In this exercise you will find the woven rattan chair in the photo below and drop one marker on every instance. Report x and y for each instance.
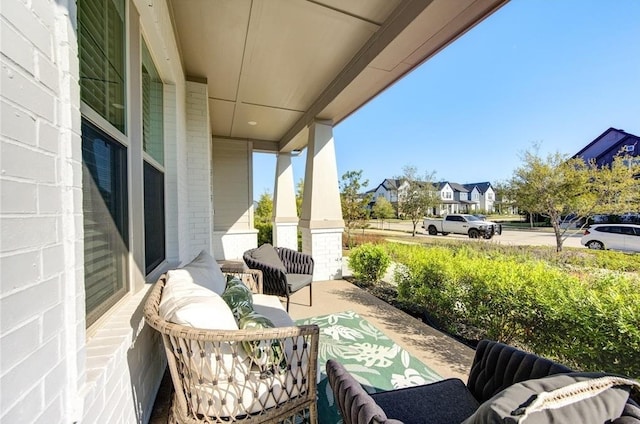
(285, 270)
(204, 363)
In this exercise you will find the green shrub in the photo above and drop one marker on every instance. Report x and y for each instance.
(587, 319)
(265, 232)
(369, 262)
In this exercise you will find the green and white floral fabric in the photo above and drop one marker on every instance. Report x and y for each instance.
(267, 354)
(371, 357)
(239, 298)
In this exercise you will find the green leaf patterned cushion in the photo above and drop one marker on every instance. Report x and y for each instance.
(238, 297)
(268, 355)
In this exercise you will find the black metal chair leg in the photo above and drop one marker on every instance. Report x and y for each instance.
(310, 296)
(287, 303)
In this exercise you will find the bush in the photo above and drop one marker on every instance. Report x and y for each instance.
(265, 232)
(587, 320)
(369, 262)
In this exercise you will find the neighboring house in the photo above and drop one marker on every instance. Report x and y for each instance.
(482, 195)
(455, 198)
(609, 144)
(127, 134)
(391, 189)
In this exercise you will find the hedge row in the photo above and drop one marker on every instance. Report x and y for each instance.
(587, 320)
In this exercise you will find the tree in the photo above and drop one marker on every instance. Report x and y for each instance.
(264, 208)
(299, 196)
(569, 191)
(503, 202)
(383, 209)
(262, 219)
(415, 201)
(354, 205)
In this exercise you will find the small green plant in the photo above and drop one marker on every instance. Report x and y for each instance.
(369, 262)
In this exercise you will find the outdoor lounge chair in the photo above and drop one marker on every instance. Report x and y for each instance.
(496, 367)
(214, 378)
(285, 271)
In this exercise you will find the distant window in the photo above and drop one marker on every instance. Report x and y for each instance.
(154, 217)
(153, 146)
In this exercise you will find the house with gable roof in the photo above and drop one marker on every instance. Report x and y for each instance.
(482, 195)
(609, 144)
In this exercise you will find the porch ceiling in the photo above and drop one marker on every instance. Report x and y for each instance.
(283, 63)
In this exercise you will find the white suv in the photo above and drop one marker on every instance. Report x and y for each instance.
(612, 236)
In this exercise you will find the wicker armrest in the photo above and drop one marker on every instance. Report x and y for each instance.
(252, 278)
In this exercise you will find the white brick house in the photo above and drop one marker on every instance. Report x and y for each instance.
(127, 129)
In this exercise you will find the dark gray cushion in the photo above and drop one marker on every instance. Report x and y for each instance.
(298, 281)
(588, 404)
(267, 254)
(443, 402)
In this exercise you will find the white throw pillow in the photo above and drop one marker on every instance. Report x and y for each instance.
(206, 272)
(271, 307)
(186, 303)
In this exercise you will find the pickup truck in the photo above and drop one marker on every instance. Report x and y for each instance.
(470, 225)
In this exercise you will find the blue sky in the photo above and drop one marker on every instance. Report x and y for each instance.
(558, 73)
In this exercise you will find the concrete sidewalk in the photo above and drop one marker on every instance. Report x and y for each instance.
(443, 354)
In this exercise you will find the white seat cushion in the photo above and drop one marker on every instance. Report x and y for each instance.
(271, 307)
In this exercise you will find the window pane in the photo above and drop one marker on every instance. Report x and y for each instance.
(154, 240)
(101, 44)
(104, 190)
(152, 128)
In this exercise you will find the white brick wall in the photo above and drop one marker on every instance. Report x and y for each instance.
(199, 168)
(41, 251)
(232, 244)
(325, 246)
(285, 234)
(49, 372)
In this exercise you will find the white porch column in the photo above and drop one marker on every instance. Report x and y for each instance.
(321, 221)
(285, 217)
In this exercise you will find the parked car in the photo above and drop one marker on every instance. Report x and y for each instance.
(612, 236)
(459, 223)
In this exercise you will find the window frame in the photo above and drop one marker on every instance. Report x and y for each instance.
(148, 159)
(95, 315)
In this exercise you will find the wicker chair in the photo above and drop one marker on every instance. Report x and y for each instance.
(285, 270)
(205, 364)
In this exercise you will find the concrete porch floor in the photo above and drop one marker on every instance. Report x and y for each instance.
(443, 354)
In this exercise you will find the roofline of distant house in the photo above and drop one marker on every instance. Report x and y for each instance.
(598, 139)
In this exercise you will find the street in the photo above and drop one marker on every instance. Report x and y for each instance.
(508, 236)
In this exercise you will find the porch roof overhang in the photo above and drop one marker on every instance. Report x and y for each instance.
(274, 66)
